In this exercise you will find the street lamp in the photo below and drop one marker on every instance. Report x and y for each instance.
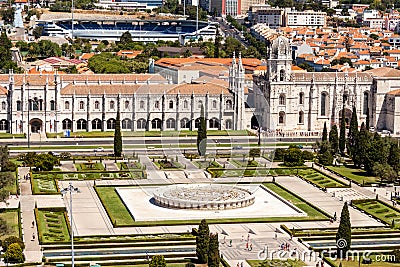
(64, 191)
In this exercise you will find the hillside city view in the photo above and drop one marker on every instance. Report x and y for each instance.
(209, 133)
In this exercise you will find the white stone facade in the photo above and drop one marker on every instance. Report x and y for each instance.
(55, 103)
(305, 101)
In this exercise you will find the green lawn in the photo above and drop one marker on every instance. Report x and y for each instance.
(9, 136)
(240, 163)
(319, 179)
(132, 165)
(13, 187)
(259, 171)
(135, 174)
(357, 175)
(95, 134)
(303, 205)
(379, 210)
(375, 263)
(116, 210)
(52, 225)
(11, 218)
(276, 263)
(44, 186)
(89, 166)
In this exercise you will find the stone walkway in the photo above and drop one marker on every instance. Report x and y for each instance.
(325, 201)
(29, 231)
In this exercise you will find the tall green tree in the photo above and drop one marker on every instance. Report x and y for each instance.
(334, 139)
(213, 251)
(117, 137)
(362, 146)
(343, 235)
(324, 133)
(394, 156)
(202, 242)
(342, 136)
(202, 134)
(217, 44)
(158, 261)
(353, 131)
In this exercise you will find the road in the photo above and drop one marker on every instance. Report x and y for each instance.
(229, 31)
(152, 141)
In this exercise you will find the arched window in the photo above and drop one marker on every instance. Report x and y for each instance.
(52, 105)
(197, 123)
(81, 124)
(324, 103)
(156, 124)
(127, 124)
(110, 124)
(81, 105)
(185, 104)
(301, 98)
(282, 75)
(228, 124)
(185, 123)
(213, 123)
(228, 104)
(19, 106)
(200, 104)
(66, 105)
(67, 124)
(170, 123)
(141, 124)
(96, 105)
(96, 124)
(141, 104)
(301, 117)
(3, 105)
(171, 104)
(281, 117)
(35, 104)
(365, 105)
(282, 99)
(112, 104)
(3, 125)
(214, 104)
(126, 104)
(157, 104)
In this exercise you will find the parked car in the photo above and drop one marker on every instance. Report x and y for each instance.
(99, 149)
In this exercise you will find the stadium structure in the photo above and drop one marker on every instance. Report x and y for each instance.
(141, 30)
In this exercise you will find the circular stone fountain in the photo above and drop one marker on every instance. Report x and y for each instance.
(203, 196)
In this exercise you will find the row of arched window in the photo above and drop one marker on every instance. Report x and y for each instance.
(33, 105)
(141, 124)
(324, 107)
(157, 105)
(282, 118)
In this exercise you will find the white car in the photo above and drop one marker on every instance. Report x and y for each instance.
(99, 149)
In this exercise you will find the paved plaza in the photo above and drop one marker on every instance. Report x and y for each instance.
(90, 217)
(140, 204)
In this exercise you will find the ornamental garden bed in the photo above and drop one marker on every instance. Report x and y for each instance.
(89, 166)
(52, 225)
(276, 263)
(319, 179)
(243, 163)
(165, 163)
(380, 211)
(132, 165)
(358, 176)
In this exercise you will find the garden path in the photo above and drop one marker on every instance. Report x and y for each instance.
(29, 231)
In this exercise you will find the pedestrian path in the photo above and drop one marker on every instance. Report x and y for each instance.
(29, 230)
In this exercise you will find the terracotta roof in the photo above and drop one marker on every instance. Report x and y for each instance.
(394, 92)
(3, 90)
(384, 72)
(129, 89)
(113, 77)
(86, 56)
